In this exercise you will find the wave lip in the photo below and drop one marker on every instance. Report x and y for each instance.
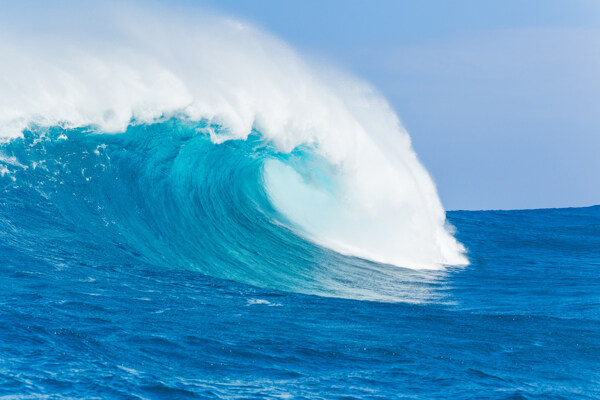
(344, 173)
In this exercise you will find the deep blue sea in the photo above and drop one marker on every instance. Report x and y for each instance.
(151, 265)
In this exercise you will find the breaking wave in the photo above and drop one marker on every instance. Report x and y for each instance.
(199, 141)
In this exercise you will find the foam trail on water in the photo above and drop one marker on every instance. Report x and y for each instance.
(347, 177)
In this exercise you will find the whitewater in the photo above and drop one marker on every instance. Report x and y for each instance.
(190, 208)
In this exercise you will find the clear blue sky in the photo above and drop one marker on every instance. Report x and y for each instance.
(502, 98)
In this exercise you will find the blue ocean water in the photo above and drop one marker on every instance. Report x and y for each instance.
(151, 265)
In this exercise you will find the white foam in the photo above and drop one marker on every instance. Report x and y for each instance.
(130, 63)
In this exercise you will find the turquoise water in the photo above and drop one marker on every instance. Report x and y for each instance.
(152, 264)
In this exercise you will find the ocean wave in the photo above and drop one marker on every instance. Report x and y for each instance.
(228, 140)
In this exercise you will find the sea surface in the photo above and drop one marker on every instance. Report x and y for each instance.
(151, 265)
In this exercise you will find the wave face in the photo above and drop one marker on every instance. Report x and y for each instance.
(202, 142)
(166, 195)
